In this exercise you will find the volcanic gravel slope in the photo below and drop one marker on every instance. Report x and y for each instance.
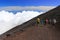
(45, 32)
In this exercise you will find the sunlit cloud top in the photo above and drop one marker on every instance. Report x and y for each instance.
(8, 20)
(11, 8)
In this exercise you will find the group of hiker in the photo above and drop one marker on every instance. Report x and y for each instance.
(46, 21)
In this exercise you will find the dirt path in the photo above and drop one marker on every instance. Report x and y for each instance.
(36, 33)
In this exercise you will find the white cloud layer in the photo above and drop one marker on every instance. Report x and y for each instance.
(8, 20)
(44, 8)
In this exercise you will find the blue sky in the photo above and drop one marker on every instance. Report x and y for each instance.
(21, 5)
(29, 2)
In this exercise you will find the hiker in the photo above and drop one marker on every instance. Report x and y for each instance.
(38, 21)
(50, 21)
(42, 22)
(46, 21)
(54, 21)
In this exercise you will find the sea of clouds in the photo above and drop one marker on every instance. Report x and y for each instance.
(9, 20)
